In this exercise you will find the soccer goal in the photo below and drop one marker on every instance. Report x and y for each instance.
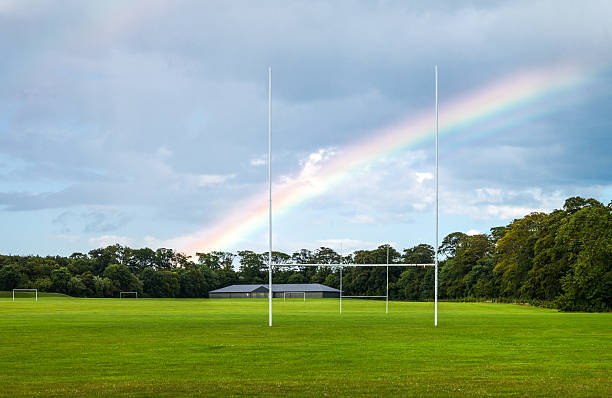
(128, 294)
(289, 295)
(271, 264)
(26, 290)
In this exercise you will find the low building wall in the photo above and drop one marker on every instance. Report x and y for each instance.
(276, 295)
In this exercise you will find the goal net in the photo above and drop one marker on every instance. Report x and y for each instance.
(128, 295)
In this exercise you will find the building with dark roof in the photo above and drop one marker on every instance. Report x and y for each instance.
(289, 290)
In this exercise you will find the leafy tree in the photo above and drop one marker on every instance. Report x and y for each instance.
(193, 283)
(332, 280)
(216, 260)
(38, 267)
(481, 281)
(167, 259)
(81, 265)
(122, 279)
(76, 287)
(323, 255)
(61, 280)
(103, 257)
(450, 243)
(497, 233)
(221, 264)
(587, 235)
(296, 278)
(252, 267)
(515, 252)
(103, 287)
(467, 251)
(420, 254)
(88, 281)
(43, 284)
(139, 259)
(550, 261)
(10, 277)
(171, 286)
(414, 283)
(304, 257)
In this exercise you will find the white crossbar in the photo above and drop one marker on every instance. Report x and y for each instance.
(25, 290)
(362, 296)
(355, 265)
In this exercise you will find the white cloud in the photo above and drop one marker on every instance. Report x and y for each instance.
(261, 161)
(419, 206)
(362, 219)
(67, 238)
(164, 152)
(313, 163)
(423, 176)
(473, 232)
(510, 212)
(497, 203)
(489, 195)
(203, 180)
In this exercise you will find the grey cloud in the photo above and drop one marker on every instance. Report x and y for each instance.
(92, 91)
(100, 220)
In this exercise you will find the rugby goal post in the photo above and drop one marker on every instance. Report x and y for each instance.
(26, 290)
(270, 264)
(121, 294)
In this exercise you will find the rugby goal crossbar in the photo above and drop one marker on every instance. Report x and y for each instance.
(26, 290)
(354, 265)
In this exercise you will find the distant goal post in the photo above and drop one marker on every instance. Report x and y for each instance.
(26, 290)
(289, 295)
(121, 294)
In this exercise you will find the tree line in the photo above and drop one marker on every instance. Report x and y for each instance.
(561, 259)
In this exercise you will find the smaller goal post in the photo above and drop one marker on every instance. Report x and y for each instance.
(26, 290)
(121, 294)
(290, 294)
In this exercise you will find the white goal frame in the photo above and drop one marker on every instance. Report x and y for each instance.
(270, 264)
(25, 290)
(285, 295)
(122, 293)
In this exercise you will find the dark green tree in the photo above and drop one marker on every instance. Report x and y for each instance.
(10, 277)
(61, 280)
(122, 279)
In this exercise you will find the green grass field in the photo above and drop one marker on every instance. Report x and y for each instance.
(160, 347)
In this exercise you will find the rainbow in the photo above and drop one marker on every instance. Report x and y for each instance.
(516, 95)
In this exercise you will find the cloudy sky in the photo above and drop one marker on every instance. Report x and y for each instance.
(145, 123)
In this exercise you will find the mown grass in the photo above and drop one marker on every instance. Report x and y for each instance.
(162, 347)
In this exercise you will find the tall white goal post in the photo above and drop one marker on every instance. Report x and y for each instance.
(121, 294)
(270, 264)
(26, 290)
